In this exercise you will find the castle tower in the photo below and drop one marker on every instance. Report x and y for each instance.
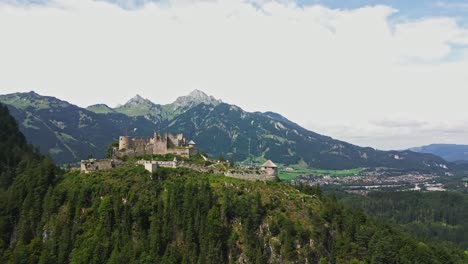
(191, 144)
(270, 168)
(160, 144)
(157, 136)
(181, 140)
(125, 143)
(174, 140)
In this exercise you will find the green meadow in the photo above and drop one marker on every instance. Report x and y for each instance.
(286, 175)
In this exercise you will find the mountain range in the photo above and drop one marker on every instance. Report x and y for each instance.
(179, 215)
(449, 152)
(69, 133)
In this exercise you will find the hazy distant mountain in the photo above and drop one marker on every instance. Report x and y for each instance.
(69, 133)
(449, 152)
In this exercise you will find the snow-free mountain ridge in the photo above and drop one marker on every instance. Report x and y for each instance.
(69, 133)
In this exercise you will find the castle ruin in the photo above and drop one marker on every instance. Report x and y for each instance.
(267, 172)
(160, 144)
(92, 165)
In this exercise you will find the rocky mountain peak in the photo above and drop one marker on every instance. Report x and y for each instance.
(197, 94)
(139, 106)
(194, 98)
(33, 93)
(138, 100)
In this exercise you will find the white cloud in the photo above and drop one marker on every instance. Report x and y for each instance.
(452, 5)
(399, 123)
(321, 67)
(429, 39)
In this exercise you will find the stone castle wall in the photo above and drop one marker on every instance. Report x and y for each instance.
(156, 163)
(141, 142)
(92, 165)
(184, 152)
(175, 140)
(159, 145)
(270, 171)
(151, 167)
(126, 143)
(167, 164)
(133, 152)
(252, 176)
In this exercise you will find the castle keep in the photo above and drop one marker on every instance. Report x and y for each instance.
(160, 144)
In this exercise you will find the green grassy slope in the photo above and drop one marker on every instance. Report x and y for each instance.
(100, 109)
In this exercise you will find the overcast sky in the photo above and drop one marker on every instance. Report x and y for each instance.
(386, 74)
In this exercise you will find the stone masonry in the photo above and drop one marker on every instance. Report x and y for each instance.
(159, 144)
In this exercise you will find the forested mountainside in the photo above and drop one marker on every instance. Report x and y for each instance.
(69, 133)
(431, 216)
(128, 215)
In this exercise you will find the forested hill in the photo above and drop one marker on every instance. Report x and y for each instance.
(433, 216)
(16, 155)
(25, 178)
(12, 146)
(69, 133)
(127, 215)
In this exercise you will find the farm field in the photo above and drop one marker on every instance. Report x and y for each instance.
(285, 175)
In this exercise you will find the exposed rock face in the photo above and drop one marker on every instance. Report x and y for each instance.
(139, 106)
(137, 100)
(194, 98)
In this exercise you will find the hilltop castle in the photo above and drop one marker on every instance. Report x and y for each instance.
(160, 144)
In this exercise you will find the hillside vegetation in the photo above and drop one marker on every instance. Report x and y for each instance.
(181, 216)
(432, 216)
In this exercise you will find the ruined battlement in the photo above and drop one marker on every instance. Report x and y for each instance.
(92, 165)
(251, 176)
(159, 144)
(267, 172)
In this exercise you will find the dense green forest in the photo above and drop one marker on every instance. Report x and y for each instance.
(180, 216)
(431, 216)
(128, 215)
